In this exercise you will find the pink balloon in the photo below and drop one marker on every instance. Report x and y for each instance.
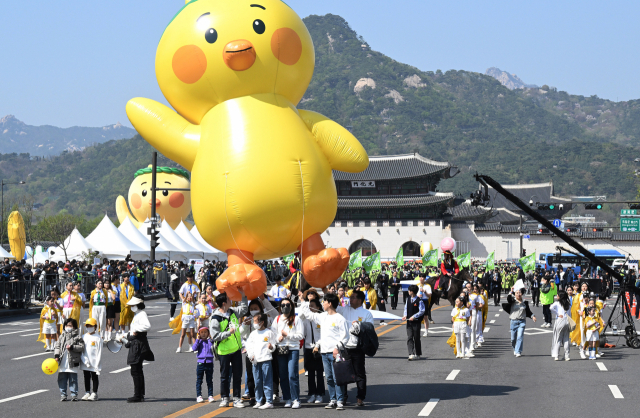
(448, 244)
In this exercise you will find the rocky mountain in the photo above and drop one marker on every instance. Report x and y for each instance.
(510, 81)
(16, 136)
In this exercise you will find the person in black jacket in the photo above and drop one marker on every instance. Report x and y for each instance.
(518, 310)
(173, 293)
(394, 287)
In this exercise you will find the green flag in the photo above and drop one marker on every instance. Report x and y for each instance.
(464, 260)
(288, 258)
(491, 261)
(355, 261)
(372, 263)
(528, 263)
(430, 258)
(400, 257)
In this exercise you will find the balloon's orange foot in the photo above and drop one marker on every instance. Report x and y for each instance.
(242, 278)
(324, 267)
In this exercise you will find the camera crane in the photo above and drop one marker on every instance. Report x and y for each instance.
(481, 198)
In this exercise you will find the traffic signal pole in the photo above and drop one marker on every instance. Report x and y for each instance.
(521, 236)
(154, 244)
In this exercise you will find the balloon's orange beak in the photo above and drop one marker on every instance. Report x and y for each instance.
(239, 55)
(157, 203)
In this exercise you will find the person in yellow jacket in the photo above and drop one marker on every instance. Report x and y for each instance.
(126, 293)
(370, 295)
(574, 294)
(98, 307)
(48, 325)
(71, 304)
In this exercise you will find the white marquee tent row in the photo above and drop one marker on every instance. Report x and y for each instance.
(117, 243)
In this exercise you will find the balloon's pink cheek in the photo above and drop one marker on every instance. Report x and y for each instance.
(176, 200)
(136, 201)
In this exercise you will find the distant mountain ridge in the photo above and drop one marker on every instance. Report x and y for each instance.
(510, 81)
(18, 137)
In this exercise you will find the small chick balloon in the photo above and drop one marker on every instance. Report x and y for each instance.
(261, 168)
(172, 206)
(49, 366)
(15, 231)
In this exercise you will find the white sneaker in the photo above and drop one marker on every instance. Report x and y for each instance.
(256, 406)
(582, 355)
(567, 359)
(339, 406)
(306, 373)
(179, 350)
(319, 399)
(276, 398)
(267, 406)
(190, 350)
(555, 358)
(518, 355)
(93, 397)
(224, 403)
(331, 405)
(171, 319)
(287, 404)
(470, 354)
(237, 403)
(312, 399)
(211, 399)
(86, 397)
(598, 355)
(199, 399)
(383, 324)
(425, 334)
(296, 405)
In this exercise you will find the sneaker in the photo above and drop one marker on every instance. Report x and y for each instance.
(518, 355)
(598, 355)
(276, 398)
(246, 397)
(179, 350)
(339, 407)
(411, 357)
(319, 399)
(237, 403)
(86, 396)
(470, 354)
(267, 406)
(479, 344)
(312, 399)
(224, 403)
(256, 406)
(418, 357)
(306, 373)
(190, 350)
(171, 319)
(63, 398)
(567, 359)
(431, 322)
(425, 334)
(360, 403)
(383, 324)
(555, 358)
(210, 399)
(287, 404)
(332, 404)
(582, 355)
(93, 397)
(199, 399)
(296, 405)
(74, 399)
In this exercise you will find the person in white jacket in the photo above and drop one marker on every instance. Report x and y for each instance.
(260, 346)
(91, 359)
(334, 333)
(313, 360)
(289, 332)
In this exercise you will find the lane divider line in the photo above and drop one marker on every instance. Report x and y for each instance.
(30, 335)
(601, 366)
(616, 392)
(493, 321)
(428, 407)
(497, 315)
(32, 355)
(501, 310)
(127, 368)
(165, 330)
(486, 329)
(21, 331)
(24, 395)
(452, 375)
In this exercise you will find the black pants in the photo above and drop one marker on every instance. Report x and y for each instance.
(382, 307)
(413, 337)
(427, 307)
(546, 311)
(173, 309)
(394, 299)
(231, 362)
(405, 296)
(251, 384)
(535, 296)
(496, 295)
(138, 380)
(357, 359)
(88, 378)
(314, 366)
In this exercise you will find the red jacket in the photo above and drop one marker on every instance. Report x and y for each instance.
(455, 267)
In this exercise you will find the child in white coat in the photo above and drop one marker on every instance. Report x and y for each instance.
(260, 346)
(91, 360)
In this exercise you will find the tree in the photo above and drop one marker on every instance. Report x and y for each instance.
(58, 228)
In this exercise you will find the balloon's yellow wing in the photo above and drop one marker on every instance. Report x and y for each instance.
(122, 210)
(17, 239)
(342, 149)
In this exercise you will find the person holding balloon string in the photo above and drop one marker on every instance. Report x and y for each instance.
(48, 325)
(67, 354)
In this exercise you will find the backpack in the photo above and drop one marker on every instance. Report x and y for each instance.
(368, 339)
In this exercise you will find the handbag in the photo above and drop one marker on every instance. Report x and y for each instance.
(343, 371)
(316, 354)
(281, 350)
(572, 324)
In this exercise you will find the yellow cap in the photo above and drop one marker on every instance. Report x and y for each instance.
(92, 322)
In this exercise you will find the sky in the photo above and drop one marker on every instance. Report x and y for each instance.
(76, 63)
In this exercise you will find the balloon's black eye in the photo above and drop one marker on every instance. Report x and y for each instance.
(144, 193)
(259, 27)
(211, 35)
(165, 193)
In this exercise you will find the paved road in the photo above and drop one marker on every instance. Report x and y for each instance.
(493, 384)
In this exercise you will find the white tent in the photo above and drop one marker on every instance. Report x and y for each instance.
(75, 244)
(110, 242)
(4, 254)
(128, 229)
(166, 248)
(209, 252)
(169, 235)
(222, 256)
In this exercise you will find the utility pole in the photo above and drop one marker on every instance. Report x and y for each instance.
(153, 230)
(521, 235)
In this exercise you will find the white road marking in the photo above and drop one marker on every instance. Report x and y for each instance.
(29, 335)
(18, 332)
(14, 324)
(24, 395)
(493, 321)
(153, 316)
(486, 329)
(32, 355)
(601, 366)
(497, 315)
(616, 392)
(538, 331)
(452, 375)
(501, 310)
(428, 407)
(437, 330)
(125, 369)
(166, 330)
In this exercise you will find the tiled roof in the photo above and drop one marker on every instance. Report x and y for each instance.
(465, 211)
(626, 236)
(541, 192)
(395, 201)
(491, 226)
(392, 167)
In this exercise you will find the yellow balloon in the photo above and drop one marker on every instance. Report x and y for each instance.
(172, 206)
(16, 234)
(49, 366)
(426, 246)
(235, 71)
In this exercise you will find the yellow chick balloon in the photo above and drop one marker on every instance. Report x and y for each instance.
(262, 185)
(172, 206)
(17, 237)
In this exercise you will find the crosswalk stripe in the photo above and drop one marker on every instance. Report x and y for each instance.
(428, 407)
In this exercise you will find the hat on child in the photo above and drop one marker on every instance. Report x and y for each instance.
(91, 322)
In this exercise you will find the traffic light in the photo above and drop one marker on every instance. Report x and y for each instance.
(593, 206)
(524, 252)
(155, 239)
(546, 207)
(634, 205)
(597, 229)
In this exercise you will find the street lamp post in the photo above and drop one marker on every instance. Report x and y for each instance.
(2, 183)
